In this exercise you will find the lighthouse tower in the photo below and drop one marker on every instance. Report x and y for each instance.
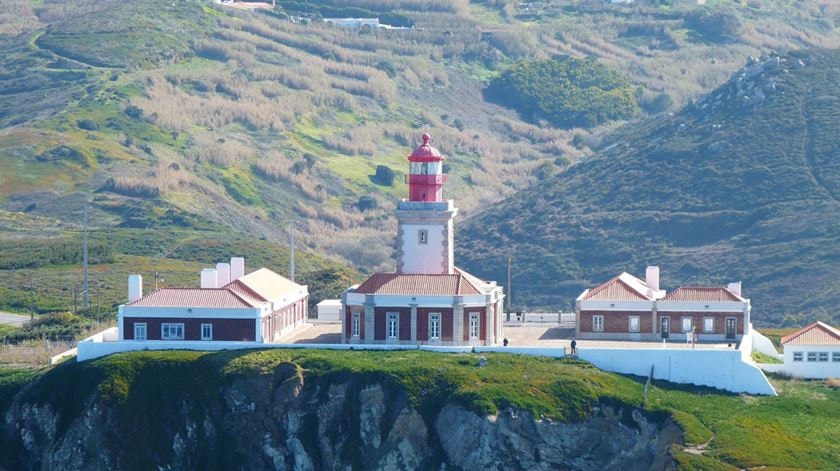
(425, 240)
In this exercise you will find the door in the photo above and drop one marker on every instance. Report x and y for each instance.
(664, 326)
(731, 325)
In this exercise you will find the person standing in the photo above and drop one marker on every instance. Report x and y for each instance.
(574, 346)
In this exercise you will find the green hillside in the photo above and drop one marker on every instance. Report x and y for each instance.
(743, 184)
(201, 120)
(227, 407)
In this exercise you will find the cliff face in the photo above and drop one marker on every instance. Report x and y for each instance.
(287, 420)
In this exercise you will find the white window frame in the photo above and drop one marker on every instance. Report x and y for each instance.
(707, 328)
(393, 325)
(822, 357)
(812, 356)
(690, 325)
(835, 356)
(434, 325)
(474, 323)
(145, 329)
(209, 332)
(356, 324)
(798, 356)
(638, 323)
(166, 331)
(597, 323)
(423, 236)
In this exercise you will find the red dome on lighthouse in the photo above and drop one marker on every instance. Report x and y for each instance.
(425, 173)
(425, 153)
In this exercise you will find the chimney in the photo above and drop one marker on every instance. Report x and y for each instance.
(237, 268)
(223, 271)
(135, 288)
(735, 288)
(209, 278)
(652, 278)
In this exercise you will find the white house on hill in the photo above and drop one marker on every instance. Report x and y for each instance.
(812, 352)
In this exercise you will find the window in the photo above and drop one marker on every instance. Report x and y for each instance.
(434, 326)
(423, 236)
(708, 324)
(172, 331)
(823, 356)
(634, 324)
(355, 328)
(812, 356)
(473, 326)
(206, 331)
(797, 356)
(597, 323)
(835, 356)
(392, 325)
(139, 331)
(687, 324)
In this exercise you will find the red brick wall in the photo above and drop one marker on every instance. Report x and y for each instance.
(719, 317)
(381, 322)
(378, 324)
(616, 321)
(446, 319)
(422, 324)
(223, 329)
(405, 323)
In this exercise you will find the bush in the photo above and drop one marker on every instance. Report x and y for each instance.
(566, 92)
(714, 25)
(133, 111)
(87, 124)
(384, 175)
(55, 326)
(367, 203)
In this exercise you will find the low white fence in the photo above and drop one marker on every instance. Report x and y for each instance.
(515, 318)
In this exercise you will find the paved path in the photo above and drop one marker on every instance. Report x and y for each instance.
(12, 319)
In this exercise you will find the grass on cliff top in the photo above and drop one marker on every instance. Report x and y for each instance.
(800, 428)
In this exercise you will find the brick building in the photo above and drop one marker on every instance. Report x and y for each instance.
(628, 308)
(427, 300)
(261, 306)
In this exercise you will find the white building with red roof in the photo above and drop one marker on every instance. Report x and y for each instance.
(628, 308)
(811, 352)
(427, 301)
(261, 306)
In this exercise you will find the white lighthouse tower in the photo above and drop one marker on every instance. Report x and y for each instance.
(425, 239)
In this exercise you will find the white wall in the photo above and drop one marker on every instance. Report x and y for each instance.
(722, 369)
(806, 369)
(423, 258)
(764, 345)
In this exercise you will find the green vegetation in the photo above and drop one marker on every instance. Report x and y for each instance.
(56, 326)
(738, 186)
(567, 92)
(800, 428)
(759, 357)
(775, 335)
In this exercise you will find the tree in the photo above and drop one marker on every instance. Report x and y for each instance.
(384, 175)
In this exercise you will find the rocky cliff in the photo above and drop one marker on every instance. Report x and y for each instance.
(283, 417)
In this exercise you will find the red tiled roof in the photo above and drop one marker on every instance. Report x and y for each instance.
(619, 289)
(702, 294)
(396, 283)
(817, 333)
(193, 297)
(264, 285)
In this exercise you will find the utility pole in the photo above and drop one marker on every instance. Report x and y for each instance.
(509, 289)
(31, 300)
(292, 251)
(85, 296)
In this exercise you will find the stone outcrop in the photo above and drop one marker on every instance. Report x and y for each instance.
(283, 422)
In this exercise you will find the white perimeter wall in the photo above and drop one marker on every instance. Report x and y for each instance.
(764, 345)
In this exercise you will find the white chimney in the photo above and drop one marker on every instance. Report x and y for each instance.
(237, 268)
(209, 278)
(223, 270)
(135, 288)
(652, 278)
(735, 288)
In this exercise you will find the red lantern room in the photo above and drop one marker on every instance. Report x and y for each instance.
(425, 173)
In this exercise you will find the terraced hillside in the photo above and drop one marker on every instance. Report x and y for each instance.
(741, 185)
(190, 116)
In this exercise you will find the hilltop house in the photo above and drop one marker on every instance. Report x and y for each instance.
(261, 306)
(428, 301)
(628, 308)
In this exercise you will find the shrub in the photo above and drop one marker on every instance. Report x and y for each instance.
(133, 111)
(87, 124)
(367, 203)
(566, 92)
(384, 175)
(714, 25)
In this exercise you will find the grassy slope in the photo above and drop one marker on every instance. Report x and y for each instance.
(720, 192)
(800, 428)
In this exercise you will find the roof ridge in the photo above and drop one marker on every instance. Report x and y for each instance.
(818, 324)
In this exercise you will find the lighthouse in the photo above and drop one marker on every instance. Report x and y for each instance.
(425, 239)
(428, 301)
